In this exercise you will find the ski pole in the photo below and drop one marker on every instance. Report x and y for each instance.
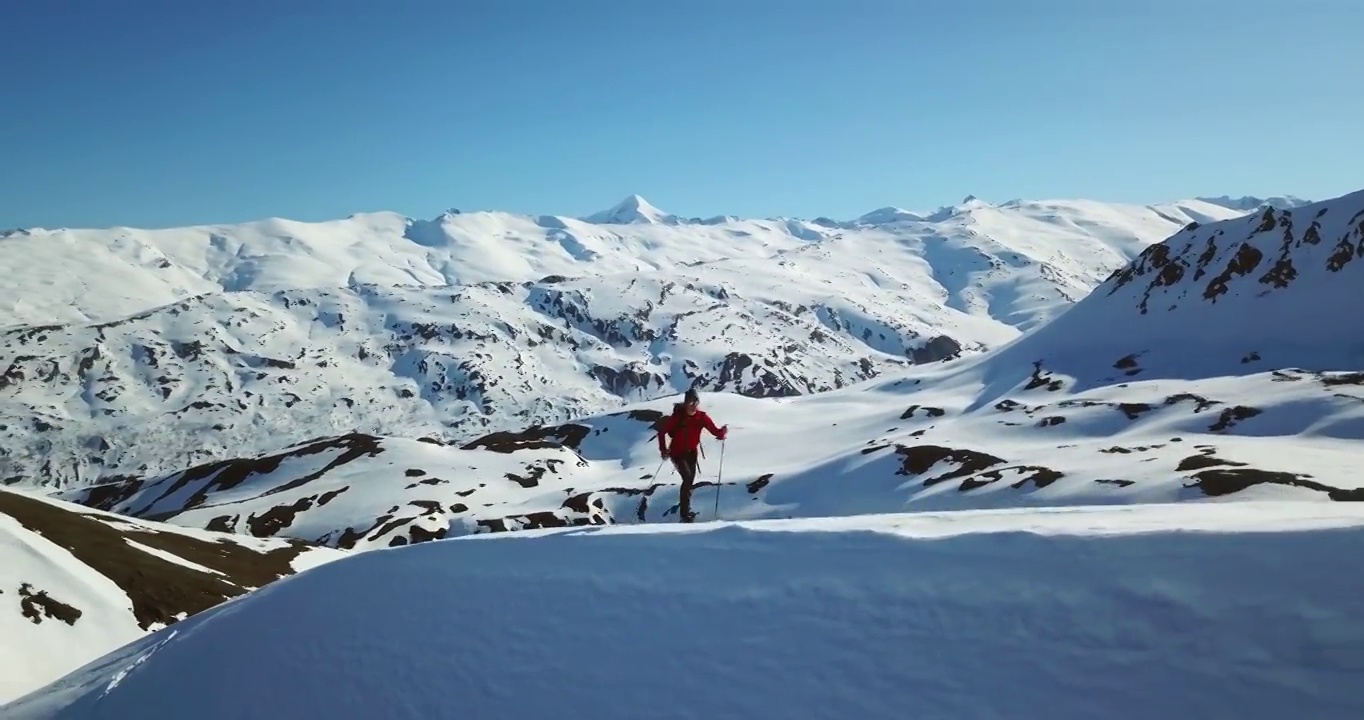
(719, 476)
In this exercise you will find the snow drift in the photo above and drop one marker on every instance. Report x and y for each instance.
(1231, 610)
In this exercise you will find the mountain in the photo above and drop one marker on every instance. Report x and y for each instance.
(1250, 294)
(1188, 374)
(1248, 203)
(165, 349)
(920, 442)
(1143, 612)
(631, 210)
(76, 583)
(353, 491)
(125, 271)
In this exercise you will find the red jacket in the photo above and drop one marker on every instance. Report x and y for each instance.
(685, 430)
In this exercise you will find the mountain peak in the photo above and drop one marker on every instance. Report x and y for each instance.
(633, 209)
(888, 215)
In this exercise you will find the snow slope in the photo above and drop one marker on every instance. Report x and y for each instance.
(76, 583)
(289, 331)
(1228, 610)
(1109, 408)
(1240, 296)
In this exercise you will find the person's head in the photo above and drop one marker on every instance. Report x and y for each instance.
(691, 401)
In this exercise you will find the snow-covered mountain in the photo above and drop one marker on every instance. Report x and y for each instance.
(1188, 374)
(633, 209)
(273, 333)
(99, 275)
(1245, 610)
(1249, 203)
(76, 583)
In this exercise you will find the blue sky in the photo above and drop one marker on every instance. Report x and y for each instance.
(163, 113)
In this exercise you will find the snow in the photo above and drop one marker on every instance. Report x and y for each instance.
(1205, 610)
(171, 557)
(106, 618)
(93, 614)
(397, 490)
(1199, 304)
(838, 453)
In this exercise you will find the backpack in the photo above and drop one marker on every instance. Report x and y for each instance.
(679, 417)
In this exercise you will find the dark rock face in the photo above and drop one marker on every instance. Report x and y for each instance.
(161, 590)
(937, 349)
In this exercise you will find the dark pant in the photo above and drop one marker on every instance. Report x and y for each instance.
(685, 462)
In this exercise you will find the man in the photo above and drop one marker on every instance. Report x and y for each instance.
(684, 427)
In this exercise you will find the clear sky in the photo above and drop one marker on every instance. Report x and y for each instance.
(176, 112)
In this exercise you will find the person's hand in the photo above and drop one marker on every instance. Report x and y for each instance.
(724, 432)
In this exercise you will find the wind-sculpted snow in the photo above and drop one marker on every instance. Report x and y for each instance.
(76, 583)
(757, 311)
(1242, 610)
